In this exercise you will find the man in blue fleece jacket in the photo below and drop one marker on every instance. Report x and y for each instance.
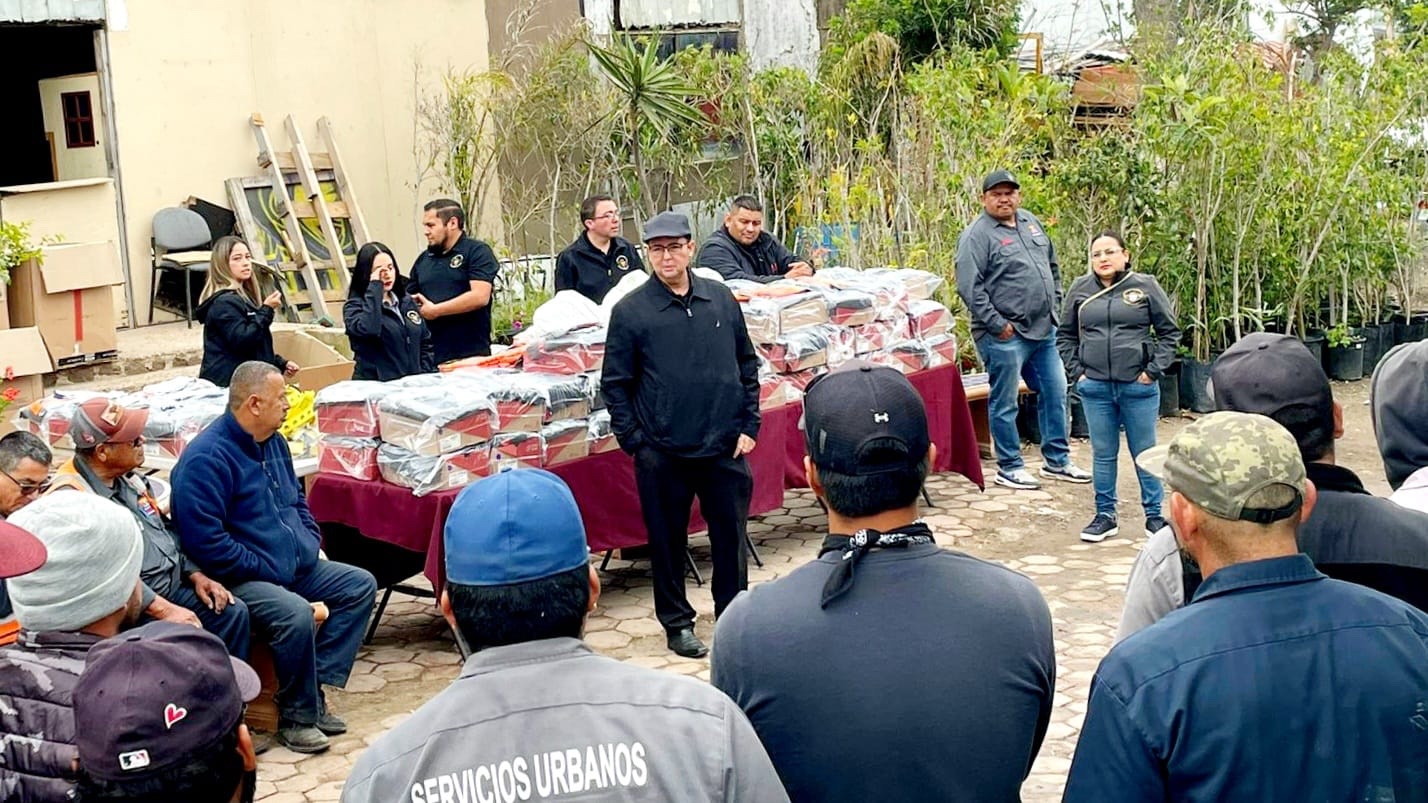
(242, 516)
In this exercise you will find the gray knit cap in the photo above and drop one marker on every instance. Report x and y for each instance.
(95, 552)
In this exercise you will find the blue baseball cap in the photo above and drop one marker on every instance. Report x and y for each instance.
(514, 527)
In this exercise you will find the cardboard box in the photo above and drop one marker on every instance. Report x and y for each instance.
(4, 308)
(319, 365)
(67, 296)
(22, 354)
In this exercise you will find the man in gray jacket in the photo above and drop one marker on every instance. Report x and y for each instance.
(1008, 277)
(536, 713)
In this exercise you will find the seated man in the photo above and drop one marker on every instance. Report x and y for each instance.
(86, 591)
(159, 713)
(24, 475)
(1277, 683)
(741, 249)
(935, 670)
(1399, 399)
(242, 516)
(108, 448)
(536, 713)
(1352, 535)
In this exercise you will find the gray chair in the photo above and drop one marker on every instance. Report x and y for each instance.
(179, 242)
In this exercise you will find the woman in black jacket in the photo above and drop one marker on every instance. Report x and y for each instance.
(1117, 338)
(237, 321)
(388, 336)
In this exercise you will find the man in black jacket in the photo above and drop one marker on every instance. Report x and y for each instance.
(682, 386)
(599, 258)
(741, 249)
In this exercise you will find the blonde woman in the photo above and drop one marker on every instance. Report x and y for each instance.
(237, 324)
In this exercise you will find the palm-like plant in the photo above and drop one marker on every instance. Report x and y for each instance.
(654, 98)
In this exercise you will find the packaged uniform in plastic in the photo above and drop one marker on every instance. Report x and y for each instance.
(573, 352)
(563, 441)
(928, 318)
(349, 408)
(798, 350)
(424, 474)
(602, 437)
(920, 284)
(436, 421)
(878, 335)
(942, 350)
(352, 457)
(523, 447)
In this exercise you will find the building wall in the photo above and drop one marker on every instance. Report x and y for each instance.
(186, 76)
(73, 163)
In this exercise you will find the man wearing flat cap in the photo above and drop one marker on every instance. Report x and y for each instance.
(914, 646)
(537, 714)
(681, 381)
(1008, 277)
(1276, 682)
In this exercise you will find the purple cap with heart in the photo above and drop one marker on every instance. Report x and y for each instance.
(151, 698)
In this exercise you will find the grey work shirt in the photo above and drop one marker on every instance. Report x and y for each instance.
(552, 719)
(164, 566)
(1009, 274)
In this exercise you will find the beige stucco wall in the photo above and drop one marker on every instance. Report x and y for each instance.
(186, 76)
(73, 163)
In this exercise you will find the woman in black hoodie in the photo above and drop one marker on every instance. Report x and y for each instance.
(237, 322)
(1117, 338)
(388, 336)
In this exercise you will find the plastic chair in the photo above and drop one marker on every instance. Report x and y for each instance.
(178, 235)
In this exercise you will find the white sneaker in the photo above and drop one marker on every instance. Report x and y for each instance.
(1019, 479)
(1067, 473)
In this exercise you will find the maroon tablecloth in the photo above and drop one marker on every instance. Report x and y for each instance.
(604, 484)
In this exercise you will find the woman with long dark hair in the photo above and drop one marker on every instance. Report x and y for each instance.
(1117, 338)
(237, 321)
(388, 336)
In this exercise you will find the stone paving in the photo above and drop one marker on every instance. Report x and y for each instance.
(413, 656)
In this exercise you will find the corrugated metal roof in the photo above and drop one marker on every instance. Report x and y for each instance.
(37, 11)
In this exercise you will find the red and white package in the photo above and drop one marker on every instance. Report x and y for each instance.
(561, 397)
(802, 379)
(520, 446)
(574, 352)
(878, 335)
(850, 307)
(565, 441)
(350, 408)
(842, 344)
(761, 319)
(798, 350)
(435, 421)
(890, 296)
(942, 350)
(602, 438)
(352, 457)
(928, 318)
(919, 284)
(425, 473)
(777, 390)
(909, 356)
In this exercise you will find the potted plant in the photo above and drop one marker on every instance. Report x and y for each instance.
(1170, 390)
(15, 248)
(1346, 353)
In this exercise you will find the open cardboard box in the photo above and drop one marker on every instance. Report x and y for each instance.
(67, 296)
(22, 353)
(319, 365)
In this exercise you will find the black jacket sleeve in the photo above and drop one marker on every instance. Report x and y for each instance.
(1068, 334)
(618, 378)
(718, 254)
(1167, 332)
(748, 376)
(782, 257)
(362, 317)
(565, 271)
(241, 329)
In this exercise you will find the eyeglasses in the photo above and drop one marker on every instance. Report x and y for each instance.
(1109, 252)
(657, 251)
(29, 488)
(613, 214)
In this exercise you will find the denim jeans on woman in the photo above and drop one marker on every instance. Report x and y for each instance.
(1108, 407)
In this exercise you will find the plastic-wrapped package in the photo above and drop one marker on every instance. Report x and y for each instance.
(761, 319)
(801, 379)
(565, 397)
(563, 441)
(349, 408)
(798, 350)
(573, 352)
(602, 438)
(49, 417)
(889, 293)
(353, 457)
(842, 344)
(436, 421)
(565, 311)
(908, 356)
(928, 318)
(803, 309)
(850, 307)
(523, 447)
(776, 390)
(942, 350)
(172, 427)
(878, 335)
(592, 390)
(921, 285)
(426, 473)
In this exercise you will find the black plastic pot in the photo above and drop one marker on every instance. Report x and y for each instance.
(1378, 339)
(1314, 341)
(1027, 424)
(1194, 386)
(1346, 363)
(1079, 427)
(1170, 391)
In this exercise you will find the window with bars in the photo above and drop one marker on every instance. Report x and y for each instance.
(78, 110)
(683, 24)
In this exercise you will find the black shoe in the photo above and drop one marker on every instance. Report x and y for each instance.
(328, 722)
(1103, 526)
(684, 642)
(262, 743)
(301, 738)
(1154, 524)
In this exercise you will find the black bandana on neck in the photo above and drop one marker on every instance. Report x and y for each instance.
(854, 547)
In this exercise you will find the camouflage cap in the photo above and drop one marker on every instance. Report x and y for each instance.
(1222, 460)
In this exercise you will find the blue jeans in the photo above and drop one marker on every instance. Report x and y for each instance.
(232, 625)
(1036, 361)
(304, 654)
(1110, 406)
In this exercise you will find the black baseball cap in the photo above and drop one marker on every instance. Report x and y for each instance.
(999, 177)
(1269, 373)
(151, 698)
(667, 224)
(864, 419)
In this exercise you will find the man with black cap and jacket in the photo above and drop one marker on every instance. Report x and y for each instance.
(1352, 535)
(681, 381)
(915, 646)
